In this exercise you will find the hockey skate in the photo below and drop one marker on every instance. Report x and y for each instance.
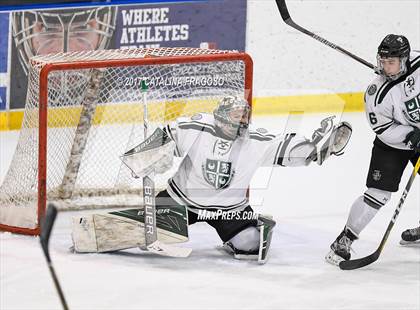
(240, 254)
(411, 236)
(341, 248)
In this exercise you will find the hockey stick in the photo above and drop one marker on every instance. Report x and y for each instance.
(44, 239)
(364, 261)
(152, 244)
(281, 4)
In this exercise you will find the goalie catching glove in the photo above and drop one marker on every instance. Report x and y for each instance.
(156, 154)
(327, 140)
(330, 140)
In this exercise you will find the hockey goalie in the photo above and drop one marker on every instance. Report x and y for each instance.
(220, 153)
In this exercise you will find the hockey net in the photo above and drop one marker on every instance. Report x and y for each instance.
(85, 109)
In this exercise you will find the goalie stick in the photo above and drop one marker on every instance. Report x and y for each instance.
(152, 244)
(281, 4)
(44, 240)
(367, 260)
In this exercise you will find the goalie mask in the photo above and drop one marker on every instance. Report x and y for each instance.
(392, 47)
(232, 116)
(53, 31)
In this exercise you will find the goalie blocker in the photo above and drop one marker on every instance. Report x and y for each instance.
(153, 154)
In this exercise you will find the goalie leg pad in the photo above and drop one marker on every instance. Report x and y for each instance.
(98, 233)
(124, 229)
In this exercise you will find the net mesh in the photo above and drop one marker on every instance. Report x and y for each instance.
(108, 114)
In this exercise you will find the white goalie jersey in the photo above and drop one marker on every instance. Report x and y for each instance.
(215, 173)
(393, 107)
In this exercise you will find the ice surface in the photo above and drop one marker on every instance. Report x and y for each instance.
(310, 206)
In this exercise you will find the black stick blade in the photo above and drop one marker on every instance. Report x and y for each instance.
(359, 262)
(46, 228)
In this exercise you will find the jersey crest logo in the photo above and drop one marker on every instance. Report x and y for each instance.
(413, 109)
(218, 173)
(372, 89)
(409, 86)
(376, 175)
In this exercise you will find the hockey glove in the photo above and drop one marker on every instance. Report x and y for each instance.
(413, 140)
(330, 142)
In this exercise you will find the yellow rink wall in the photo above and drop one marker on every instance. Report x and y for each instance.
(262, 106)
(345, 102)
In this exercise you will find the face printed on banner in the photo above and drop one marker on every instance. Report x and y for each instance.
(53, 39)
(69, 30)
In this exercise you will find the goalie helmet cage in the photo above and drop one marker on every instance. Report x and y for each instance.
(84, 110)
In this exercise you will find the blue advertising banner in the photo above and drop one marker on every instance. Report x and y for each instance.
(2, 98)
(215, 24)
(4, 28)
(4, 51)
(14, 5)
(212, 24)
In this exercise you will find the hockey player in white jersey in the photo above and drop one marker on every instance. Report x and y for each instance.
(392, 103)
(221, 153)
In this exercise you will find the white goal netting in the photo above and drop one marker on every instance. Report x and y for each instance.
(94, 113)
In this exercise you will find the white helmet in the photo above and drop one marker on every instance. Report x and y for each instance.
(232, 116)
